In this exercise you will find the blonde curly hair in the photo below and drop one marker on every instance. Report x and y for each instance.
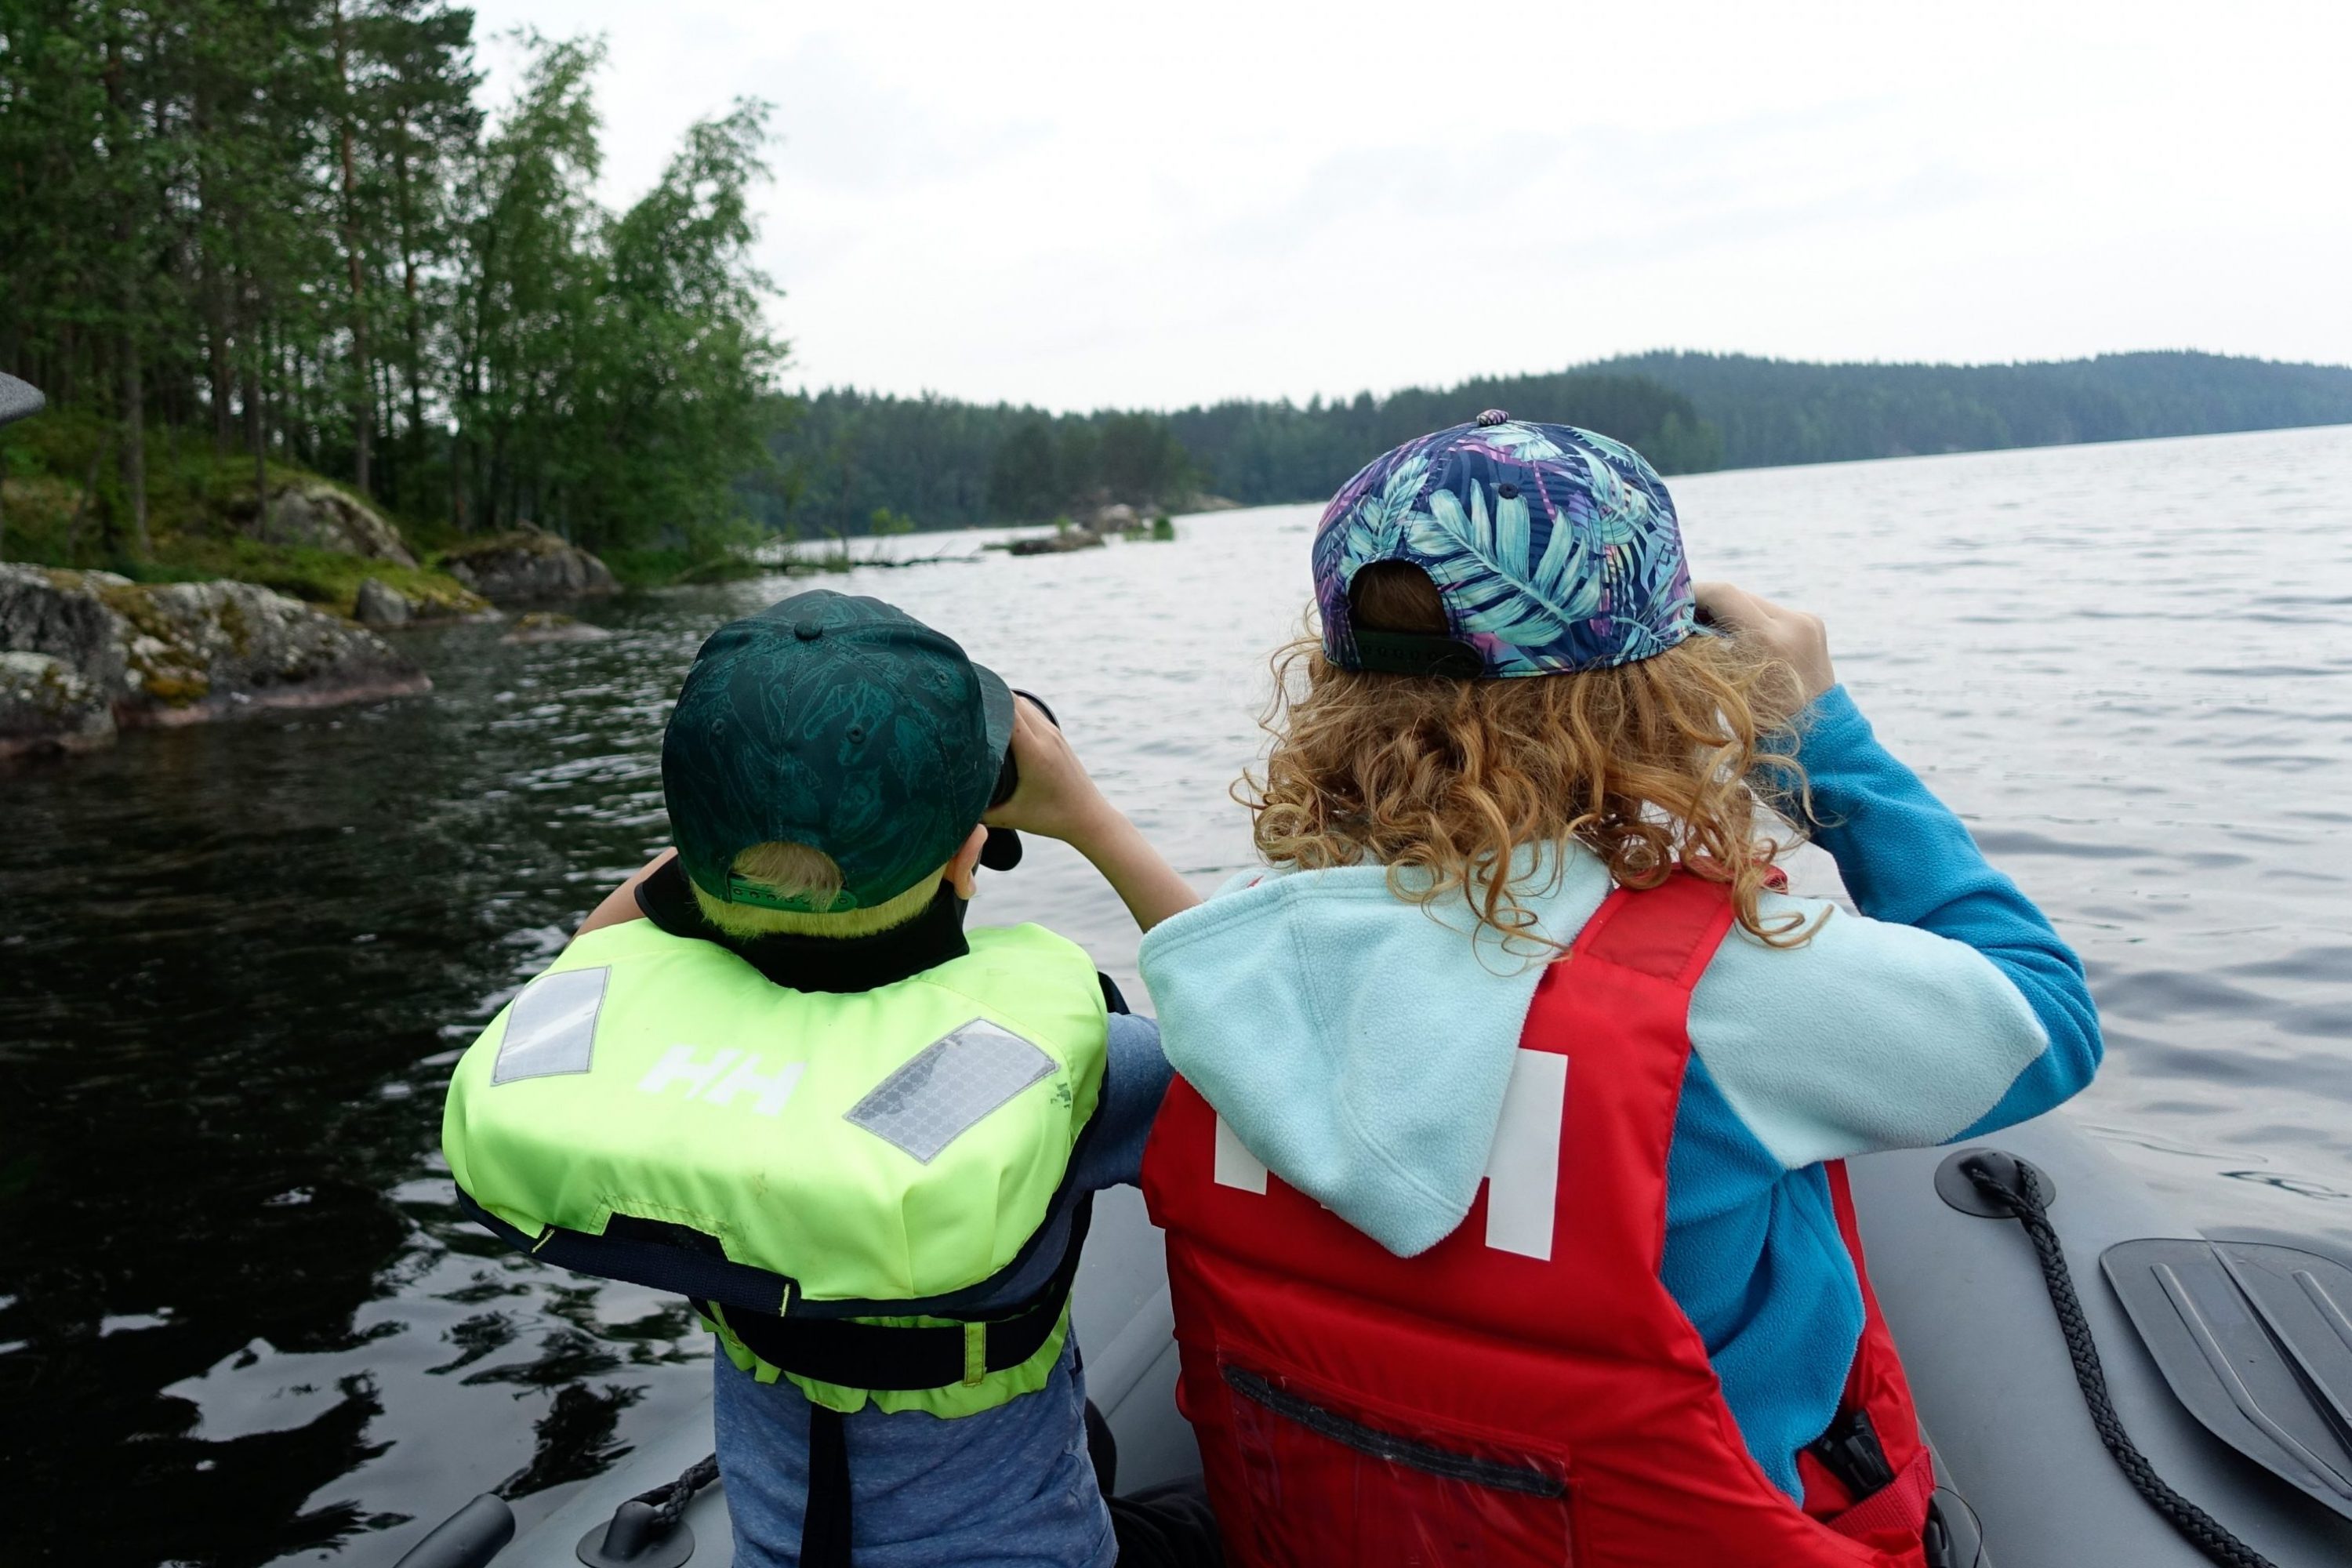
(1443, 780)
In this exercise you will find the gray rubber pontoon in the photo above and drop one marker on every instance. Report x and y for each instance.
(2251, 1327)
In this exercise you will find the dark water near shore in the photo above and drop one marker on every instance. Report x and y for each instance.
(240, 1322)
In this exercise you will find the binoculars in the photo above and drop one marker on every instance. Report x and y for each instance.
(1003, 851)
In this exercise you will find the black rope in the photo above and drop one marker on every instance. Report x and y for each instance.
(2199, 1528)
(668, 1502)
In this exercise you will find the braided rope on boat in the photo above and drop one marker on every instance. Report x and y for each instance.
(668, 1502)
(2025, 1205)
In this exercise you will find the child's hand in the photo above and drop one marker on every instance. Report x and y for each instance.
(1796, 638)
(1056, 797)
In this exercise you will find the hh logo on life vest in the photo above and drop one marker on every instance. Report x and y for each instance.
(1522, 1172)
(722, 1077)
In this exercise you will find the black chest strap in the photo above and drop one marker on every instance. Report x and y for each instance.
(881, 1358)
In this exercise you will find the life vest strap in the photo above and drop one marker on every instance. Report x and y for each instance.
(883, 1358)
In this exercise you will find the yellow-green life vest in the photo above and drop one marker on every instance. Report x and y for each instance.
(876, 1149)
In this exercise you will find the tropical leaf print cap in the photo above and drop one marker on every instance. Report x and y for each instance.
(836, 721)
(1555, 550)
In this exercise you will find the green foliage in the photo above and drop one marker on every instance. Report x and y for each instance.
(667, 566)
(200, 505)
(883, 523)
(323, 577)
(288, 228)
(1026, 475)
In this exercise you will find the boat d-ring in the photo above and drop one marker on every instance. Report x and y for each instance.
(1957, 1188)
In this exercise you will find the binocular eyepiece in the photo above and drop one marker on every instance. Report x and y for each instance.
(1003, 851)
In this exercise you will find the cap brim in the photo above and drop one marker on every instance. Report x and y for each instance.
(996, 708)
(1003, 851)
(18, 399)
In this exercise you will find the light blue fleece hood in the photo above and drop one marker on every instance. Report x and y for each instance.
(1356, 1043)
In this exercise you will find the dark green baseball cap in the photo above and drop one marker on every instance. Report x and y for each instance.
(840, 722)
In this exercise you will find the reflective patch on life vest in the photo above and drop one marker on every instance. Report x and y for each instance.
(1236, 1166)
(950, 1088)
(1523, 1163)
(551, 1027)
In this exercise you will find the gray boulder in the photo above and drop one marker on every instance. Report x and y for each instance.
(527, 565)
(84, 643)
(378, 604)
(325, 518)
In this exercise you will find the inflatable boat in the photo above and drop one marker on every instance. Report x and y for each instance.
(2125, 1390)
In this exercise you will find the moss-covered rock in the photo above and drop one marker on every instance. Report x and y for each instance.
(526, 566)
(327, 517)
(172, 653)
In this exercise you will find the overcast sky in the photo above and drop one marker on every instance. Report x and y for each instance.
(1109, 203)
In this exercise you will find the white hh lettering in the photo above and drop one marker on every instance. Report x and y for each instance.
(1523, 1165)
(683, 1064)
(769, 1091)
(712, 1081)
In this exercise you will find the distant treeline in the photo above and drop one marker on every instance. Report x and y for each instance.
(1774, 411)
(853, 460)
(850, 456)
(945, 464)
(294, 228)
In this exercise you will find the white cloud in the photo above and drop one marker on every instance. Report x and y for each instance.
(1081, 205)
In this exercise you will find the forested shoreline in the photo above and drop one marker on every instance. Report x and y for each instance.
(946, 463)
(291, 230)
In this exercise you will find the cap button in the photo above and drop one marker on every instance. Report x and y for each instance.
(1492, 417)
(808, 630)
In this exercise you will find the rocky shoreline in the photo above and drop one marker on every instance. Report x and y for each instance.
(89, 654)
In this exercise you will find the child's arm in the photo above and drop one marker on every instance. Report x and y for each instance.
(1950, 1009)
(621, 903)
(1057, 799)
(1135, 1080)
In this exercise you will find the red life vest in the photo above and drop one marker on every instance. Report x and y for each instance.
(1526, 1394)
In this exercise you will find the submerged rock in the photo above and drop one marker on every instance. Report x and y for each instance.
(1059, 543)
(87, 652)
(325, 518)
(526, 564)
(542, 626)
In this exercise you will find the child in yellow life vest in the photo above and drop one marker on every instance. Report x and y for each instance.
(774, 1072)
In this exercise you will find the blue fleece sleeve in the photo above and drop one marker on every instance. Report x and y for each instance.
(1135, 1080)
(1948, 1008)
(1906, 858)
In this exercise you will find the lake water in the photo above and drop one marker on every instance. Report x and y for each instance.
(240, 1321)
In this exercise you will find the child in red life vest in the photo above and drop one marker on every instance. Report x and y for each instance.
(1505, 1222)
